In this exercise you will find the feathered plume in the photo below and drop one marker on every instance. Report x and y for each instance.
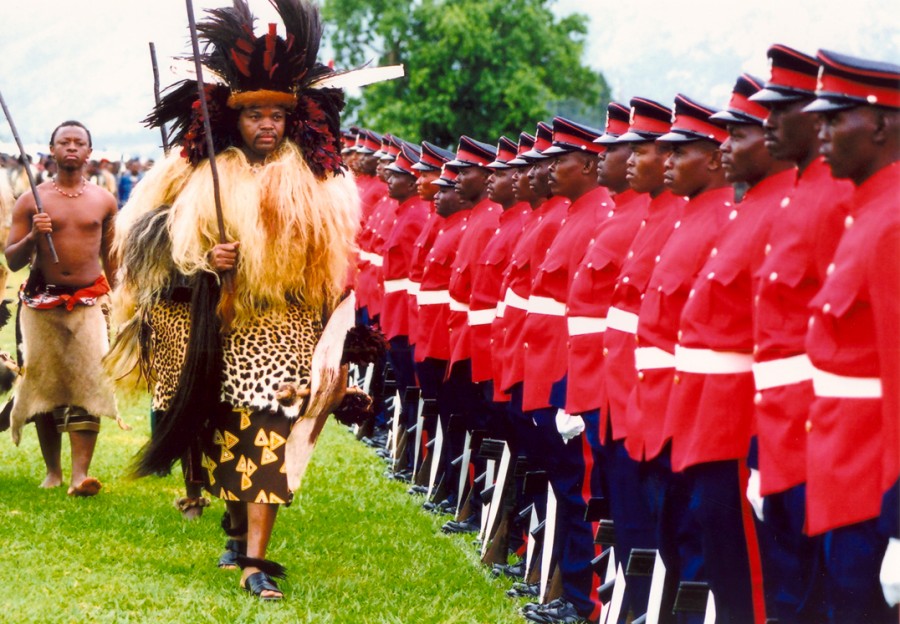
(255, 69)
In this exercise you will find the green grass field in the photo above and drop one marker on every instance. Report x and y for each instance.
(358, 548)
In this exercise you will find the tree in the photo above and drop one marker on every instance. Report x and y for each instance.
(479, 67)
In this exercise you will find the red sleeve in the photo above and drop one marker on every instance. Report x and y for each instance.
(884, 281)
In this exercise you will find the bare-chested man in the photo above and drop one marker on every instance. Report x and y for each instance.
(61, 313)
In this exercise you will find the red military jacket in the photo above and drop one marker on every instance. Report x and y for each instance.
(487, 279)
(397, 253)
(687, 248)
(527, 256)
(710, 413)
(371, 241)
(423, 244)
(853, 342)
(483, 222)
(797, 254)
(619, 375)
(371, 190)
(432, 337)
(589, 299)
(544, 332)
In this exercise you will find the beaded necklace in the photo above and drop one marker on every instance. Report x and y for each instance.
(71, 195)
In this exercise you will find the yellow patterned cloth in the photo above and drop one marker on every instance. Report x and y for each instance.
(242, 456)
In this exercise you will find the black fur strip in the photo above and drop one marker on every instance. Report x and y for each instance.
(232, 532)
(363, 345)
(198, 386)
(355, 409)
(271, 568)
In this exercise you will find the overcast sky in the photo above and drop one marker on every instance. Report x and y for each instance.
(89, 59)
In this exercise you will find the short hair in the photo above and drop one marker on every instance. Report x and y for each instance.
(70, 122)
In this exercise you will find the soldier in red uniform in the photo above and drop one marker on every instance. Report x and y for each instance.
(487, 276)
(588, 302)
(411, 216)
(573, 174)
(853, 341)
(710, 412)
(472, 158)
(645, 169)
(693, 170)
(431, 159)
(524, 193)
(797, 254)
(527, 256)
(432, 352)
(373, 200)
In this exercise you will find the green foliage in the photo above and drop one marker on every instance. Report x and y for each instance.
(357, 547)
(479, 67)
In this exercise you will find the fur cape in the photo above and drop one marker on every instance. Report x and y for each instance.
(62, 356)
(297, 234)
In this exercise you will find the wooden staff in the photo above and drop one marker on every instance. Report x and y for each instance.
(227, 277)
(162, 127)
(37, 198)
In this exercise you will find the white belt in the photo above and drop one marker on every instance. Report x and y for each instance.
(501, 308)
(482, 317)
(397, 285)
(622, 321)
(458, 306)
(372, 258)
(581, 325)
(837, 386)
(648, 358)
(413, 287)
(545, 305)
(513, 300)
(709, 362)
(782, 372)
(432, 297)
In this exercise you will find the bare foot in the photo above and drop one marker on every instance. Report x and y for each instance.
(51, 481)
(89, 487)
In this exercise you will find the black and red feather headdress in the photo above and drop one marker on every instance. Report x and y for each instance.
(258, 70)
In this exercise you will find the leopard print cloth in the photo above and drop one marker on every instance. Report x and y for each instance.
(258, 358)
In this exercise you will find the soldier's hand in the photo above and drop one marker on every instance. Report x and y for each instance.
(40, 223)
(223, 256)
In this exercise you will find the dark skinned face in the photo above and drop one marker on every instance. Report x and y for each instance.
(790, 134)
(425, 185)
(262, 130)
(688, 167)
(646, 166)
(848, 141)
(501, 188)
(612, 166)
(401, 186)
(744, 154)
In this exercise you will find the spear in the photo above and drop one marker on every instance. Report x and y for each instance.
(37, 198)
(162, 127)
(227, 278)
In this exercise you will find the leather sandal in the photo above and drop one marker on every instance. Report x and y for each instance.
(261, 581)
(233, 547)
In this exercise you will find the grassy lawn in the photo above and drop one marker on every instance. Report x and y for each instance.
(357, 547)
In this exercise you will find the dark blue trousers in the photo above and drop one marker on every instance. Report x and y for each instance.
(574, 543)
(788, 559)
(728, 538)
(847, 573)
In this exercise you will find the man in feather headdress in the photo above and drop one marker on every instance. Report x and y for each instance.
(247, 373)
